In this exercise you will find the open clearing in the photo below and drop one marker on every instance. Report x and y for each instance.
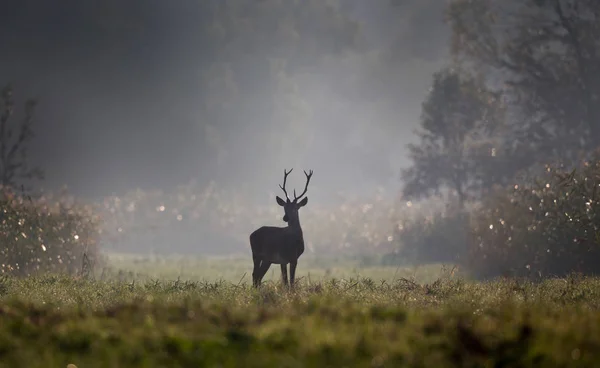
(351, 317)
(239, 269)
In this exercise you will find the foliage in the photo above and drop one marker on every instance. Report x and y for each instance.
(265, 80)
(45, 234)
(55, 321)
(14, 140)
(176, 220)
(441, 237)
(546, 54)
(459, 138)
(548, 227)
(279, 79)
(387, 230)
(371, 225)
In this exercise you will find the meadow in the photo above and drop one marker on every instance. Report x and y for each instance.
(238, 269)
(182, 311)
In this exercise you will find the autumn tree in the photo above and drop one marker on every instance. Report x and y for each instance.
(15, 137)
(460, 130)
(547, 54)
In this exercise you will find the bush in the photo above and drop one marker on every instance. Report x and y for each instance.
(208, 217)
(45, 235)
(193, 218)
(439, 237)
(549, 227)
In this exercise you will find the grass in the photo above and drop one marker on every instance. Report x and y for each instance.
(357, 321)
(236, 268)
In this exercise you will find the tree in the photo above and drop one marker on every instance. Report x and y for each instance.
(548, 54)
(461, 122)
(15, 136)
(261, 82)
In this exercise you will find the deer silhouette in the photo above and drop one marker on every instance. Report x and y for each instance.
(280, 245)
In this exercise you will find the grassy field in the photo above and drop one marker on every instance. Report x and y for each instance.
(239, 269)
(350, 317)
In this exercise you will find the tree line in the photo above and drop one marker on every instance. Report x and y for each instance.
(520, 92)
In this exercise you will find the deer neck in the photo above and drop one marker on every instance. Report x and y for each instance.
(294, 225)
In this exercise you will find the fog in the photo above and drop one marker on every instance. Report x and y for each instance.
(154, 94)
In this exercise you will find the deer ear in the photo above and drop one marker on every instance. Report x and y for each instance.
(280, 201)
(303, 202)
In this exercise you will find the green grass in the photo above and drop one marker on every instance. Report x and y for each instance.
(357, 321)
(234, 269)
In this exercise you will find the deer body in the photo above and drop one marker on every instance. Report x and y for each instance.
(280, 245)
(277, 245)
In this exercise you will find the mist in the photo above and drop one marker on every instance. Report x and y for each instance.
(152, 95)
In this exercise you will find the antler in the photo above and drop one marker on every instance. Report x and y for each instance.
(305, 187)
(285, 175)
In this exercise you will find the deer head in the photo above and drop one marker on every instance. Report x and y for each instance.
(291, 207)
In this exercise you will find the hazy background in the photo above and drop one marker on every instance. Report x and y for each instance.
(152, 94)
(437, 130)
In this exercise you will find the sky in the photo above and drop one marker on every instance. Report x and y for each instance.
(152, 94)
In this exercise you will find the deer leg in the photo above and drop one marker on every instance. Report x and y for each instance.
(293, 265)
(264, 267)
(284, 275)
(256, 270)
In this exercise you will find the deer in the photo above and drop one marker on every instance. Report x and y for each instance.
(280, 245)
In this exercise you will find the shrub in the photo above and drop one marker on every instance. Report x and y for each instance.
(549, 227)
(209, 217)
(438, 237)
(45, 234)
(210, 220)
